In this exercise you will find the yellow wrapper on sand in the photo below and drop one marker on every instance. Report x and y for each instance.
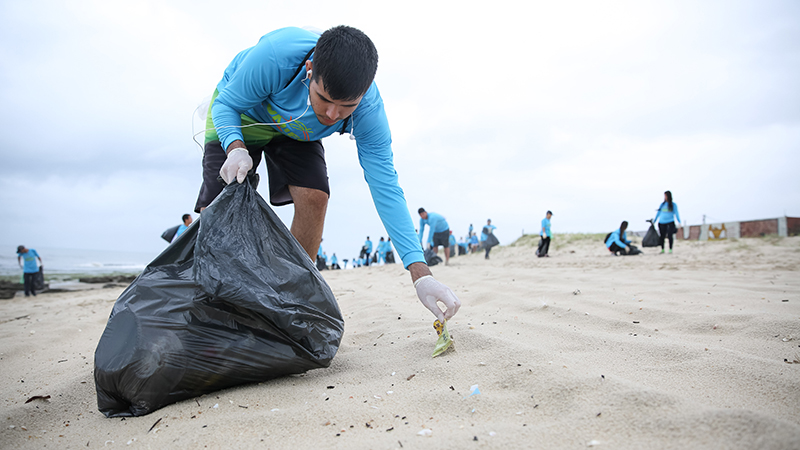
(445, 341)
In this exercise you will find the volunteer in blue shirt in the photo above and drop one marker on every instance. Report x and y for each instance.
(27, 261)
(453, 245)
(473, 242)
(544, 243)
(486, 231)
(187, 220)
(301, 87)
(439, 233)
(617, 242)
(381, 250)
(666, 216)
(335, 262)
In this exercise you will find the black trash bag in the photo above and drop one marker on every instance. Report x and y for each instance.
(235, 299)
(543, 247)
(651, 238)
(431, 258)
(633, 250)
(390, 257)
(491, 241)
(38, 280)
(169, 234)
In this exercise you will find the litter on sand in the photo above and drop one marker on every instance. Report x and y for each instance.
(445, 341)
(473, 390)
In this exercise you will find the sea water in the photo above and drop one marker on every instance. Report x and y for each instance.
(60, 261)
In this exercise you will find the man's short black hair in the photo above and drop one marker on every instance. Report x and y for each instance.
(186, 216)
(421, 210)
(346, 61)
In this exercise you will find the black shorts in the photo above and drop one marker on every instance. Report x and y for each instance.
(441, 238)
(289, 163)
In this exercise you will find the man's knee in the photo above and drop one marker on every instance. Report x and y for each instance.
(309, 199)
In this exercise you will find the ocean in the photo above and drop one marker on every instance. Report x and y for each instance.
(63, 262)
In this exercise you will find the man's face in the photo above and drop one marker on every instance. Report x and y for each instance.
(424, 215)
(329, 110)
(188, 221)
(549, 216)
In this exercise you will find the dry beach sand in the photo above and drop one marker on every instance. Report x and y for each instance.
(582, 349)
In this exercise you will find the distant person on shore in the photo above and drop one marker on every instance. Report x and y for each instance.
(368, 247)
(335, 262)
(439, 232)
(382, 250)
(617, 242)
(389, 251)
(27, 261)
(666, 216)
(453, 245)
(544, 243)
(187, 220)
(473, 242)
(488, 239)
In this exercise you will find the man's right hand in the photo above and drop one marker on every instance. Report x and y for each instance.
(236, 165)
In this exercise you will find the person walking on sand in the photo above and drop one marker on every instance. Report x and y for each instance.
(666, 216)
(488, 239)
(544, 243)
(439, 232)
(473, 242)
(368, 251)
(27, 261)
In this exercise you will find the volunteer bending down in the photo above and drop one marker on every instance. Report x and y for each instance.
(309, 87)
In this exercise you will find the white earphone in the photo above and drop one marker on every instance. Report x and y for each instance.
(308, 75)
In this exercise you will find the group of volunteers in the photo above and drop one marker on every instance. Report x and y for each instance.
(278, 99)
(617, 241)
(439, 234)
(666, 215)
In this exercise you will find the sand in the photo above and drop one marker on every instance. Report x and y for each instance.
(582, 349)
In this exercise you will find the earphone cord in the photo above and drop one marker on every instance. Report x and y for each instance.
(194, 136)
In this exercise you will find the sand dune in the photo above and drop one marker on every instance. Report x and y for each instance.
(582, 349)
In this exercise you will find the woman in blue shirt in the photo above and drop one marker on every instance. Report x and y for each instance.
(665, 216)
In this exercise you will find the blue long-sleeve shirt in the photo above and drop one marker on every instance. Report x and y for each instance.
(485, 236)
(615, 238)
(254, 87)
(436, 222)
(664, 215)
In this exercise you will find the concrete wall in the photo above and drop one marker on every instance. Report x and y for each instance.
(757, 228)
(782, 226)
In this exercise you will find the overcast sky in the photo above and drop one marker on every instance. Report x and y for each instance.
(498, 110)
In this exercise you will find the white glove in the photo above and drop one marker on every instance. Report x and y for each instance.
(430, 292)
(237, 164)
